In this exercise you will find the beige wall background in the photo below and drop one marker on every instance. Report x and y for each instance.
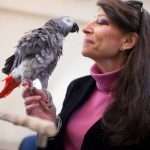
(17, 17)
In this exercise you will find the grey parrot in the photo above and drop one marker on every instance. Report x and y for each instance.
(37, 53)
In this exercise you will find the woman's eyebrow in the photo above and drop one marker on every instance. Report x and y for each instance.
(102, 15)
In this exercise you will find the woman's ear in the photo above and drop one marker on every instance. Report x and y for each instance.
(129, 41)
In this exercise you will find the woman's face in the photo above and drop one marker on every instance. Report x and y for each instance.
(103, 39)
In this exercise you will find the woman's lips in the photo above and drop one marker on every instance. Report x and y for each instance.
(88, 41)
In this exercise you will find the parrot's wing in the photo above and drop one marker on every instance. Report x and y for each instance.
(29, 45)
(32, 43)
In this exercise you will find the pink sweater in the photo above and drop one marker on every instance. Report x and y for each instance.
(91, 111)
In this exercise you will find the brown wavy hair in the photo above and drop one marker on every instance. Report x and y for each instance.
(127, 120)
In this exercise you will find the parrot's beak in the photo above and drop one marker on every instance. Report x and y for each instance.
(75, 28)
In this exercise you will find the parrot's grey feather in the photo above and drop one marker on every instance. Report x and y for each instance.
(44, 79)
(17, 61)
(38, 51)
(37, 43)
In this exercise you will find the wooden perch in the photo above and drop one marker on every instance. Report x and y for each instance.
(43, 127)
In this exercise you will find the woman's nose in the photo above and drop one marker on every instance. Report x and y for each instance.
(88, 28)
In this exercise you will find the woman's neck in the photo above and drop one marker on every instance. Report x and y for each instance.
(109, 65)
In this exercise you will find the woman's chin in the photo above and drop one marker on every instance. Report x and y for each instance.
(85, 53)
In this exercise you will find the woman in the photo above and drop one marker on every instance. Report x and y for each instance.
(109, 109)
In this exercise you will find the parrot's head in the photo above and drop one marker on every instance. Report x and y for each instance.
(64, 24)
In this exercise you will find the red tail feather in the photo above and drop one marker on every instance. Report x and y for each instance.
(10, 85)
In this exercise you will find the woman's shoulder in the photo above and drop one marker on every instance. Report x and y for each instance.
(81, 81)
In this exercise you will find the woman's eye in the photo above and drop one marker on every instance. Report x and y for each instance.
(102, 21)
